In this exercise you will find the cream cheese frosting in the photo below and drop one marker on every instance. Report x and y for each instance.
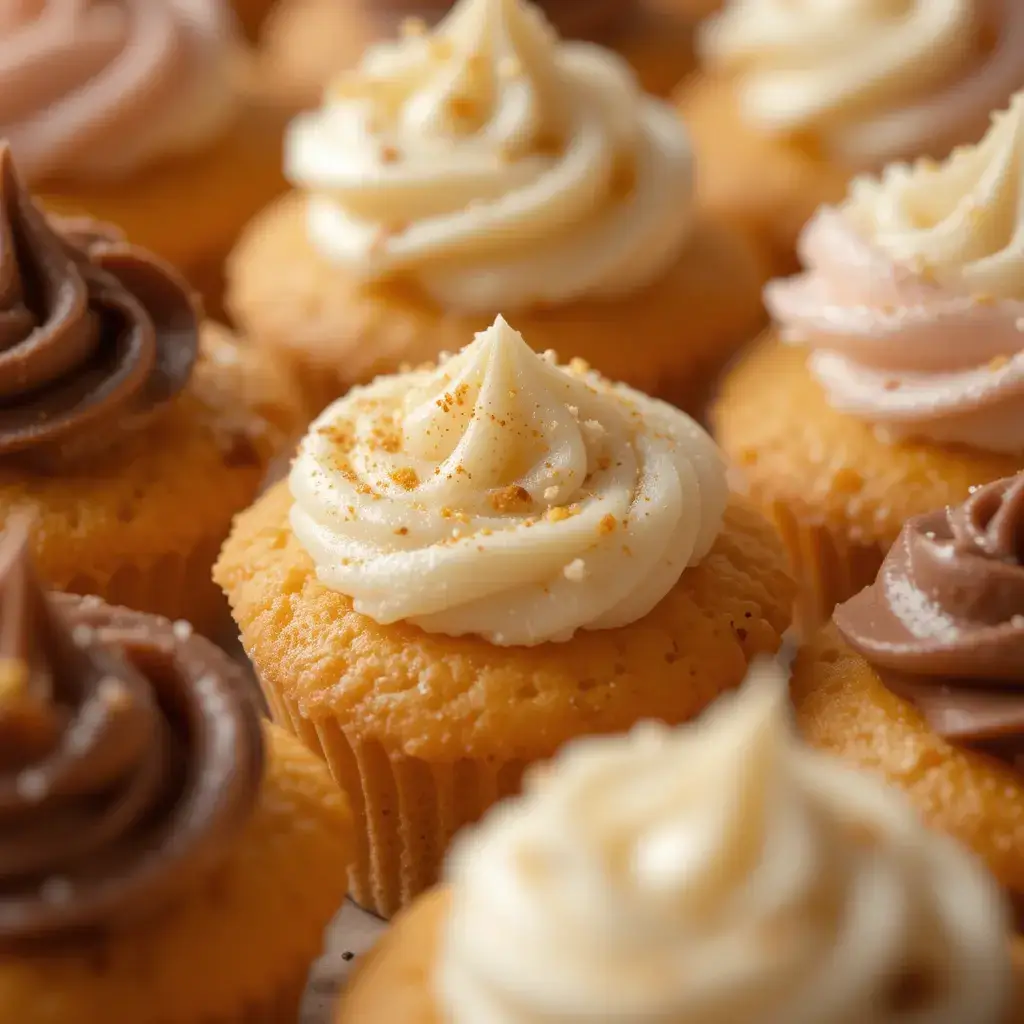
(495, 166)
(502, 495)
(103, 88)
(913, 295)
(717, 874)
(873, 80)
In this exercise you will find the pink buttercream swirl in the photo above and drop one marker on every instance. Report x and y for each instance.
(99, 88)
(914, 356)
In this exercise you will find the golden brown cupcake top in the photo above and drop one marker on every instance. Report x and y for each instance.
(94, 333)
(130, 756)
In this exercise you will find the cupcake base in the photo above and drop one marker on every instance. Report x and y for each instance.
(842, 706)
(426, 732)
(837, 493)
(667, 340)
(141, 521)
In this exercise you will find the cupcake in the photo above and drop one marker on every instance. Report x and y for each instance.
(132, 112)
(796, 98)
(472, 564)
(162, 855)
(920, 676)
(717, 873)
(894, 382)
(307, 42)
(130, 432)
(484, 168)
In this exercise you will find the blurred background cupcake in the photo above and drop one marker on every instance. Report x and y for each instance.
(164, 855)
(489, 167)
(893, 382)
(717, 872)
(130, 429)
(306, 43)
(474, 563)
(920, 678)
(133, 112)
(795, 98)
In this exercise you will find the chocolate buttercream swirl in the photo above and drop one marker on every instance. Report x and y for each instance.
(944, 621)
(130, 757)
(94, 333)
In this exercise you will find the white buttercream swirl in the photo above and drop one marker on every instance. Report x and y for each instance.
(874, 80)
(913, 296)
(495, 166)
(717, 874)
(502, 495)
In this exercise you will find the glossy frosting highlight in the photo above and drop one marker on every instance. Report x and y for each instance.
(100, 89)
(912, 299)
(717, 874)
(130, 758)
(505, 496)
(872, 80)
(495, 166)
(94, 333)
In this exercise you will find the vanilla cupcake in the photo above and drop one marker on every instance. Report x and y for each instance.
(717, 873)
(797, 98)
(473, 563)
(894, 381)
(490, 167)
(134, 112)
(305, 43)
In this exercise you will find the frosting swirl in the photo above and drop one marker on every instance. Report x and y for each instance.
(720, 874)
(494, 166)
(913, 296)
(93, 332)
(944, 621)
(504, 496)
(102, 88)
(873, 80)
(130, 755)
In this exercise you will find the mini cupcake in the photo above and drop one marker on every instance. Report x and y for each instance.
(898, 384)
(798, 97)
(921, 676)
(490, 168)
(162, 856)
(471, 565)
(717, 873)
(130, 111)
(307, 42)
(129, 432)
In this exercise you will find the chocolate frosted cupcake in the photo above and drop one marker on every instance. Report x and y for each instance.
(305, 43)
(119, 410)
(162, 855)
(921, 677)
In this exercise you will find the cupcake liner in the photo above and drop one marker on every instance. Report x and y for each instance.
(406, 810)
(176, 586)
(829, 566)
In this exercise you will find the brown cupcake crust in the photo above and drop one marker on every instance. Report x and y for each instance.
(163, 490)
(844, 707)
(337, 332)
(441, 698)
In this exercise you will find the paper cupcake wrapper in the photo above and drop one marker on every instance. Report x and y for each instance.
(828, 566)
(406, 810)
(176, 585)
